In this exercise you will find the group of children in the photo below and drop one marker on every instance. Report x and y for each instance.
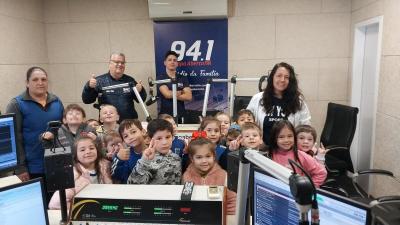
(128, 153)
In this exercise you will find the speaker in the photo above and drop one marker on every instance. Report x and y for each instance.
(59, 169)
(233, 170)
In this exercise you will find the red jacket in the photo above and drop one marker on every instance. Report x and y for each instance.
(216, 176)
(316, 170)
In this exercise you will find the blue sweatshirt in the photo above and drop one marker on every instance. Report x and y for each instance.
(121, 169)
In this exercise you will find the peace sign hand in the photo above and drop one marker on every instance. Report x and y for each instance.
(235, 144)
(150, 152)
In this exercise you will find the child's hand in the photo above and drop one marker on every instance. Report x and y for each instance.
(235, 144)
(321, 153)
(91, 135)
(150, 152)
(123, 153)
(47, 136)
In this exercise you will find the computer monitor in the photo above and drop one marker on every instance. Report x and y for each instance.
(23, 204)
(274, 204)
(8, 143)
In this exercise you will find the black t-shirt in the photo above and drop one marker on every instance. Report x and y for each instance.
(166, 104)
(276, 114)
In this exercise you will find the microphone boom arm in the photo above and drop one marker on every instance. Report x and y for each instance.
(280, 172)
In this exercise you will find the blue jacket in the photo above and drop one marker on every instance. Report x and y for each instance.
(222, 156)
(120, 169)
(32, 121)
(121, 98)
(178, 145)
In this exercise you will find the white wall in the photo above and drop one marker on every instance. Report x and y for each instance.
(387, 140)
(313, 35)
(22, 44)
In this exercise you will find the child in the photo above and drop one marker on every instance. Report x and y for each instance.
(283, 147)
(250, 137)
(204, 171)
(109, 118)
(93, 123)
(225, 122)
(112, 142)
(244, 115)
(74, 126)
(158, 165)
(306, 141)
(89, 168)
(125, 160)
(212, 127)
(233, 134)
(178, 145)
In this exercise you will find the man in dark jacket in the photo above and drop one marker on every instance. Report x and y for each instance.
(121, 98)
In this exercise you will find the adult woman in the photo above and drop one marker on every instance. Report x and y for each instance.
(33, 108)
(184, 92)
(281, 99)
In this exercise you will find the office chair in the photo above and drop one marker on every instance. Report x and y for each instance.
(337, 135)
(385, 209)
(240, 102)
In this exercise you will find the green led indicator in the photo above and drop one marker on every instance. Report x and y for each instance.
(158, 209)
(109, 207)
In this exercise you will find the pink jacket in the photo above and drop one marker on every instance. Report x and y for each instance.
(316, 170)
(81, 181)
(216, 176)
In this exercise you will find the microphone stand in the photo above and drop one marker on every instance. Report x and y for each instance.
(233, 81)
(174, 83)
(62, 194)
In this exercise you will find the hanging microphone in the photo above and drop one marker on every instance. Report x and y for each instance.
(152, 100)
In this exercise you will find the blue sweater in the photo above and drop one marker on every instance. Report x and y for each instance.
(120, 169)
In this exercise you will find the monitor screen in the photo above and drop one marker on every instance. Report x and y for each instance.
(23, 204)
(274, 204)
(8, 144)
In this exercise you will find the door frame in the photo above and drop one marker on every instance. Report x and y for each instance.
(356, 82)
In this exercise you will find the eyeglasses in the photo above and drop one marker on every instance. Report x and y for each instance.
(118, 62)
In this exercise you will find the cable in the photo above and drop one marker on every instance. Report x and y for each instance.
(314, 205)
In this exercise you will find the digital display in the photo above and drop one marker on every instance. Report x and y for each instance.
(163, 211)
(147, 211)
(274, 204)
(109, 208)
(8, 146)
(132, 210)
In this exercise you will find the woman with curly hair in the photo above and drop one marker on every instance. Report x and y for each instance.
(281, 100)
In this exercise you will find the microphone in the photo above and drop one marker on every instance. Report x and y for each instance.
(53, 126)
(152, 100)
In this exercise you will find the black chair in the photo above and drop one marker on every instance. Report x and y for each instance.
(193, 116)
(385, 209)
(240, 102)
(337, 135)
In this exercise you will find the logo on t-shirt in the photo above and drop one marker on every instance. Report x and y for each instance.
(276, 114)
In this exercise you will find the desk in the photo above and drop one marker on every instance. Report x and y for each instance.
(55, 217)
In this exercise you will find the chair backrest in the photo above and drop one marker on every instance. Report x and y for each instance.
(340, 126)
(240, 102)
